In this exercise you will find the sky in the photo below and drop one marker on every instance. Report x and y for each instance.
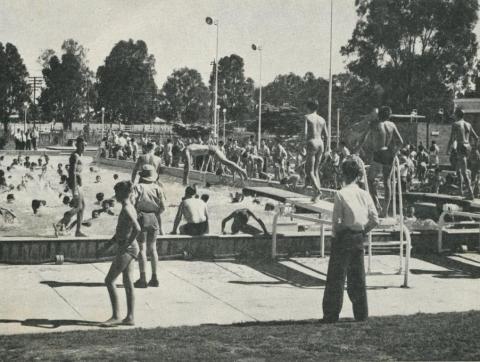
(294, 34)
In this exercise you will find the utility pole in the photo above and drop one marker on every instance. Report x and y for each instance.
(35, 83)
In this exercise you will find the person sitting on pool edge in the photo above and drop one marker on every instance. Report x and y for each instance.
(240, 223)
(196, 215)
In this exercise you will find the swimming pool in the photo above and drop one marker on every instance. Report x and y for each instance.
(49, 189)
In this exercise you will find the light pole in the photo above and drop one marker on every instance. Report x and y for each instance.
(224, 121)
(211, 21)
(103, 119)
(329, 121)
(259, 48)
(216, 128)
(25, 105)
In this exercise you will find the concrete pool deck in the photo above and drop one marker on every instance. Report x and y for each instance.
(53, 298)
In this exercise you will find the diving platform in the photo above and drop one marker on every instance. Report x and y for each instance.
(302, 203)
(441, 199)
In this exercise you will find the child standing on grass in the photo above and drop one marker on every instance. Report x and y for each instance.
(125, 236)
(354, 215)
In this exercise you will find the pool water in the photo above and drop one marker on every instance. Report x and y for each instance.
(49, 189)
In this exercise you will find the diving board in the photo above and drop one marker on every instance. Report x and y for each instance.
(273, 193)
(440, 199)
(302, 203)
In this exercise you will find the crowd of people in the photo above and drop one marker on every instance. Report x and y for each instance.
(26, 140)
(355, 211)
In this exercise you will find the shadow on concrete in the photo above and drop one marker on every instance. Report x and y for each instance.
(284, 274)
(55, 284)
(456, 268)
(287, 274)
(444, 274)
(52, 323)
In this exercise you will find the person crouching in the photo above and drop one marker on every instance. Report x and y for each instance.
(354, 215)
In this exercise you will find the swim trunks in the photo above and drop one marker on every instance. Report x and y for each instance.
(194, 228)
(463, 149)
(383, 156)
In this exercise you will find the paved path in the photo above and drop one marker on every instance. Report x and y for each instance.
(48, 298)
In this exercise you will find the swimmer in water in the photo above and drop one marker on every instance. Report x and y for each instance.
(36, 205)
(98, 179)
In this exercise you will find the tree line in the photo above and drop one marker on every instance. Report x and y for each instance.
(406, 54)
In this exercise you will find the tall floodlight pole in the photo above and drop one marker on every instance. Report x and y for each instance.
(329, 121)
(25, 105)
(211, 21)
(103, 119)
(259, 48)
(224, 122)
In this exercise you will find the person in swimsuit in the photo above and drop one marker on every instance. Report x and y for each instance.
(196, 150)
(148, 158)
(75, 183)
(382, 136)
(314, 128)
(461, 133)
(240, 223)
(127, 251)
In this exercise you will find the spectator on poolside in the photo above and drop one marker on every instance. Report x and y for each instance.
(149, 201)
(34, 135)
(195, 213)
(354, 215)
(168, 153)
(177, 149)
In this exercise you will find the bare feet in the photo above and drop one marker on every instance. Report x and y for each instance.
(128, 321)
(112, 322)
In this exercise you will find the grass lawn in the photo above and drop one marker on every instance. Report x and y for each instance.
(444, 336)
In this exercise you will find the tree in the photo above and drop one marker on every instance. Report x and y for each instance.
(68, 84)
(419, 51)
(14, 90)
(126, 87)
(234, 92)
(185, 97)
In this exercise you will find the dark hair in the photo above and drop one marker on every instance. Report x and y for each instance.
(123, 189)
(100, 196)
(420, 148)
(311, 104)
(459, 113)
(190, 191)
(149, 146)
(384, 113)
(351, 170)
(205, 197)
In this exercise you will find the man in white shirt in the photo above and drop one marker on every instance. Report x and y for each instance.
(354, 215)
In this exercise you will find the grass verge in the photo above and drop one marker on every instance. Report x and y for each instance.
(443, 336)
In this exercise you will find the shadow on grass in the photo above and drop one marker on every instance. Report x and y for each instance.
(52, 323)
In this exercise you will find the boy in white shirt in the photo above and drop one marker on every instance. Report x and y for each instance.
(354, 215)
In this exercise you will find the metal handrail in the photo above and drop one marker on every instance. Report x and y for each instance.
(442, 223)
